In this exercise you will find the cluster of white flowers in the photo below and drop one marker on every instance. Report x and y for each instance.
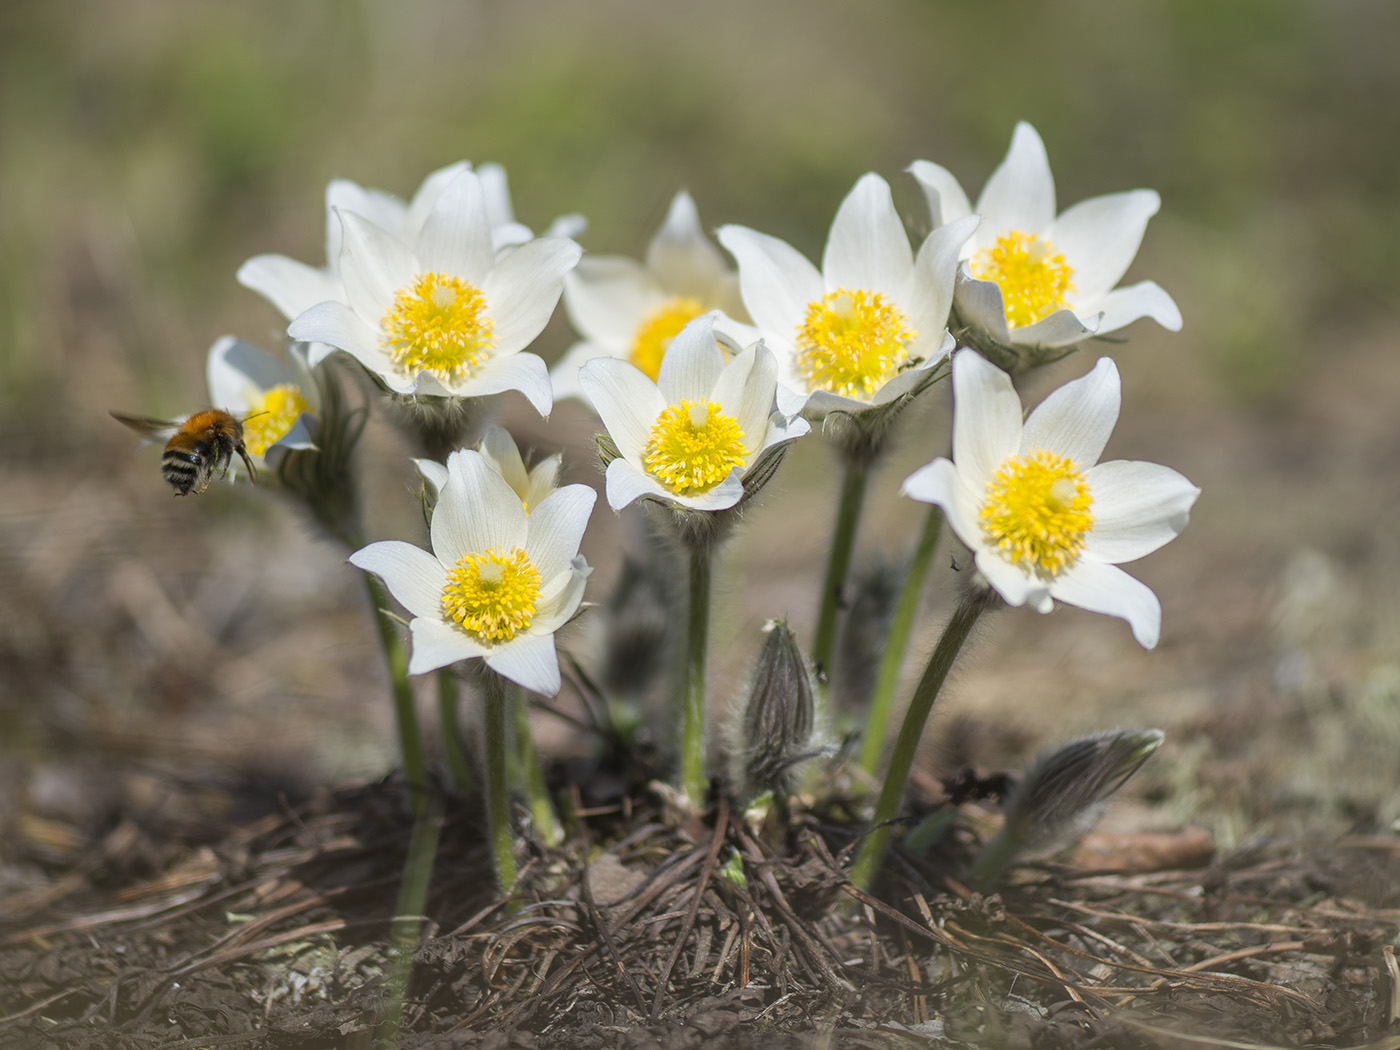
(698, 369)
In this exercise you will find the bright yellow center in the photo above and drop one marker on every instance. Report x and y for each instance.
(1035, 280)
(693, 446)
(271, 416)
(851, 343)
(1037, 512)
(492, 594)
(658, 328)
(439, 325)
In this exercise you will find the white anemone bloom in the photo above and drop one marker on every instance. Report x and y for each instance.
(276, 399)
(294, 287)
(631, 310)
(1045, 520)
(444, 314)
(498, 583)
(1030, 278)
(689, 437)
(871, 324)
(498, 448)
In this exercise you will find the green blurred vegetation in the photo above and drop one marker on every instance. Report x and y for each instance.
(149, 147)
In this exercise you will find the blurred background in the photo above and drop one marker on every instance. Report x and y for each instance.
(195, 660)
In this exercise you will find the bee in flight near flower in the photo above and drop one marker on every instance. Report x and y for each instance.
(197, 446)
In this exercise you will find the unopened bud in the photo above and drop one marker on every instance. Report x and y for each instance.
(777, 722)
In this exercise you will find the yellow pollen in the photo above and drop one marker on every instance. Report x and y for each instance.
(1035, 280)
(492, 594)
(693, 446)
(271, 416)
(1037, 512)
(658, 328)
(439, 325)
(852, 342)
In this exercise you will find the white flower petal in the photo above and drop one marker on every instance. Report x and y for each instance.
(625, 483)
(626, 401)
(981, 305)
(292, 287)
(337, 325)
(1076, 420)
(1123, 306)
(1108, 589)
(414, 577)
(607, 297)
(745, 391)
(561, 598)
(986, 417)
(432, 472)
(1137, 508)
(528, 660)
(374, 264)
(501, 453)
(692, 363)
(437, 643)
(1014, 584)
(557, 526)
(776, 281)
(382, 209)
(680, 257)
(1062, 328)
(526, 373)
(938, 483)
(929, 293)
(867, 248)
(522, 290)
(456, 237)
(947, 201)
(476, 509)
(1020, 194)
(1099, 237)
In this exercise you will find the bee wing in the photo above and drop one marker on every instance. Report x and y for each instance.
(151, 429)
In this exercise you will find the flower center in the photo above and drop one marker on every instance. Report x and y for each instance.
(1035, 280)
(439, 325)
(658, 328)
(1037, 512)
(852, 342)
(492, 594)
(693, 446)
(271, 414)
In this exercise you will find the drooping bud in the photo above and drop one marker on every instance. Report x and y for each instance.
(778, 718)
(1063, 793)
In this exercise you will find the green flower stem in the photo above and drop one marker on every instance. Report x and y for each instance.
(532, 773)
(410, 738)
(692, 686)
(892, 659)
(408, 917)
(872, 850)
(497, 791)
(839, 562)
(448, 709)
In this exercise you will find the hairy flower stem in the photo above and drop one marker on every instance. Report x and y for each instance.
(839, 562)
(457, 765)
(497, 790)
(691, 700)
(408, 917)
(527, 761)
(897, 643)
(410, 738)
(872, 850)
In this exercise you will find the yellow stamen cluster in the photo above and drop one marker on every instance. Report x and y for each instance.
(852, 342)
(693, 446)
(271, 416)
(658, 328)
(1037, 512)
(439, 325)
(492, 594)
(1035, 280)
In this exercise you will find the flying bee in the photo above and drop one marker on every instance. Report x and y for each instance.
(196, 446)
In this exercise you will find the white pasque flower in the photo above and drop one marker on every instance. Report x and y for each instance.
(294, 287)
(871, 324)
(1029, 278)
(630, 310)
(689, 437)
(498, 448)
(274, 398)
(498, 583)
(1043, 517)
(444, 314)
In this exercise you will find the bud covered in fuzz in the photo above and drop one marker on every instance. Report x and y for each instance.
(773, 737)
